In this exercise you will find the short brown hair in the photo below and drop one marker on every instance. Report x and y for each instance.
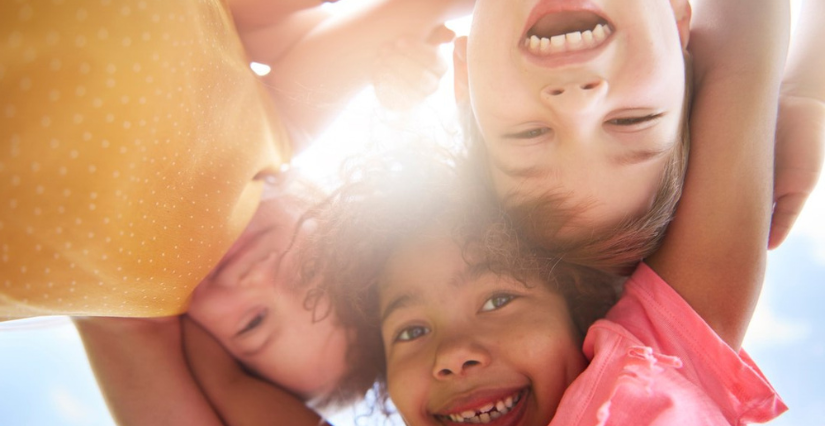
(615, 249)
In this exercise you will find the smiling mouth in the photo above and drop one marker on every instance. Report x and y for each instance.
(566, 32)
(486, 413)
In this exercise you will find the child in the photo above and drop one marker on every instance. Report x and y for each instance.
(577, 120)
(138, 136)
(667, 353)
(262, 343)
(164, 107)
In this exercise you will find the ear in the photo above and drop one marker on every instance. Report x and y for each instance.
(460, 81)
(682, 12)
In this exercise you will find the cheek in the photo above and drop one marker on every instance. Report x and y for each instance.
(407, 387)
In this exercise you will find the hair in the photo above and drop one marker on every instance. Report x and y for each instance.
(390, 197)
(615, 249)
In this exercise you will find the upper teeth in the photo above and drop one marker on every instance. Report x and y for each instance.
(576, 40)
(488, 412)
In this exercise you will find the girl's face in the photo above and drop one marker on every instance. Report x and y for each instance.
(250, 303)
(592, 112)
(465, 345)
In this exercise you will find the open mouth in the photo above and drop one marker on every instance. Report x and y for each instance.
(569, 31)
(487, 413)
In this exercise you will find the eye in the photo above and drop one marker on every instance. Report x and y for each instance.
(411, 333)
(497, 302)
(632, 121)
(529, 134)
(253, 323)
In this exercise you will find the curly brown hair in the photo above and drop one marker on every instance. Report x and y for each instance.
(392, 196)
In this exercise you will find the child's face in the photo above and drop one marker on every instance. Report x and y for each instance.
(250, 304)
(462, 342)
(593, 119)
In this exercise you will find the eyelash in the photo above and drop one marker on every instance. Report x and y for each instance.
(505, 299)
(409, 331)
(630, 121)
(531, 134)
(254, 323)
(496, 302)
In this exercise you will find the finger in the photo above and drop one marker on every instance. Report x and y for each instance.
(439, 35)
(785, 212)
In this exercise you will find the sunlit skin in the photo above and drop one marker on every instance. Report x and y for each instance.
(461, 339)
(250, 304)
(594, 124)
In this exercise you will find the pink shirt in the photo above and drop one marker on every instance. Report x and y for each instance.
(654, 361)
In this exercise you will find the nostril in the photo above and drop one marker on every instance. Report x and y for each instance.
(470, 363)
(445, 372)
(590, 86)
(556, 92)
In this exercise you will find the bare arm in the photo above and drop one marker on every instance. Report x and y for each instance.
(715, 249)
(141, 370)
(239, 398)
(800, 133)
(806, 62)
(312, 82)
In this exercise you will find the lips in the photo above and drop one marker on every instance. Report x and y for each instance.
(504, 409)
(568, 28)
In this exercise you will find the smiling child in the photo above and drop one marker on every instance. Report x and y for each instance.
(577, 119)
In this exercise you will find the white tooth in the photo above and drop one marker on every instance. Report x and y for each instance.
(467, 414)
(485, 418)
(574, 41)
(557, 42)
(574, 38)
(486, 408)
(495, 414)
(500, 405)
(534, 44)
(509, 402)
(587, 37)
(475, 420)
(607, 30)
(598, 33)
(545, 45)
(456, 418)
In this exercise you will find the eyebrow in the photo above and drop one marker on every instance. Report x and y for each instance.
(638, 156)
(404, 301)
(459, 278)
(626, 159)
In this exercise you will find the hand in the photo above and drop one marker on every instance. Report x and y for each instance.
(409, 70)
(799, 151)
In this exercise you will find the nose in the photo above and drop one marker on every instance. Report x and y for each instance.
(575, 96)
(458, 357)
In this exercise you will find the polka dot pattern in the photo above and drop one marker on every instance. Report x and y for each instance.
(130, 134)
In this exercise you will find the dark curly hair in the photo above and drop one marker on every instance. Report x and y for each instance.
(391, 196)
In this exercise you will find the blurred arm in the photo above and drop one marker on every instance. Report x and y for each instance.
(313, 81)
(142, 373)
(800, 133)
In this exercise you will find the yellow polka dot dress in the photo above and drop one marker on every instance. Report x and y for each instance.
(130, 136)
